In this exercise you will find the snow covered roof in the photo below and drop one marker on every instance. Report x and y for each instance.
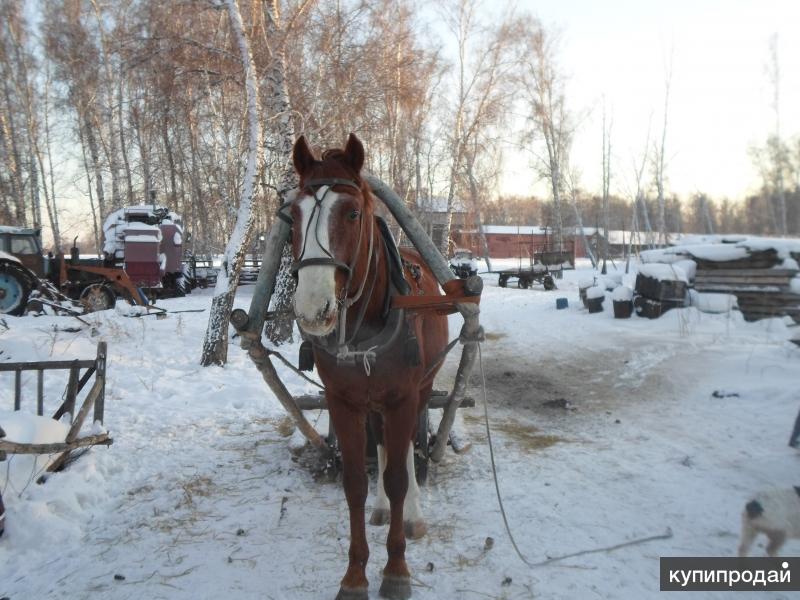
(663, 272)
(723, 248)
(21, 230)
(514, 229)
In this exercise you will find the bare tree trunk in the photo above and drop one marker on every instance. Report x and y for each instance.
(108, 112)
(94, 154)
(122, 143)
(659, 161)
(279, 328)
(606, 184)
(775, 77)
(573, 196)
(476, 207)
(143, 154)
(215, 345)
(87, 169)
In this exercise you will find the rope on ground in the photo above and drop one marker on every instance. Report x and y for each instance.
(549, 561)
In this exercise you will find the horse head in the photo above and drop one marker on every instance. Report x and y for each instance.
(332, 225)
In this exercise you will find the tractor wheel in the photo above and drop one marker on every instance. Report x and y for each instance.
(422, 448)
(15, 287)
(523, 283)
(549, 283)
(503, 281)
(97, 296)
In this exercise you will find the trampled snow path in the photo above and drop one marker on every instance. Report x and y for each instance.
(199, 497)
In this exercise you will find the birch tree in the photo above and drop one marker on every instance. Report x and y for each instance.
(484, 64)
(659, 163)
(774, 74)
(607, 124)
(215, 345)
(549, 119)
(278, 104)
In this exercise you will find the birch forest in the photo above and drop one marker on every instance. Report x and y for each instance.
(107, 104)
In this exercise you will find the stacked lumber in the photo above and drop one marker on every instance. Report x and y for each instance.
(756, 259)
(761, 292)
(659, 289)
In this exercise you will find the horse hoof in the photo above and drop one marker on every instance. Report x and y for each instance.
(380, 516)
(414, 530)
(352, 594)
(395, 588)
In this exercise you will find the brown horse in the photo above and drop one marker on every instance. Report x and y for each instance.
(376, 362)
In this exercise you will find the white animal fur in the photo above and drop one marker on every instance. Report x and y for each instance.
(412, 511)
(779, 519)
(315, 297)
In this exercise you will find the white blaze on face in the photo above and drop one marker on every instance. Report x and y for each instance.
(315, 297)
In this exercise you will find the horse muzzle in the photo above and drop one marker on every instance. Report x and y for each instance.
(320, 323)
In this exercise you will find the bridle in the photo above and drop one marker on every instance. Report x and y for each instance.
(343, 350)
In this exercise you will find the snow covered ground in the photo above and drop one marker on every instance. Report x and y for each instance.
(200, 497)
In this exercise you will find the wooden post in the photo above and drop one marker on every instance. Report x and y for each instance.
(17, 388)
(40, 392)
(100, 379)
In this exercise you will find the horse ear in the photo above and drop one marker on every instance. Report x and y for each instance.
(302, 157)
(354, 153)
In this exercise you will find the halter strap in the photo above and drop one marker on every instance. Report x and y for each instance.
(331, 181)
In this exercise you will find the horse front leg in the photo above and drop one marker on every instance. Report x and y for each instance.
(350, 431)
(398, 427)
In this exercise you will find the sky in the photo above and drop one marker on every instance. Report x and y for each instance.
(720, 98)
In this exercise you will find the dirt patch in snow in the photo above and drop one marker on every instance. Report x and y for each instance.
(592, 381)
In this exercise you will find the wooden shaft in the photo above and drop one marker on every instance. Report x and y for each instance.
(265, 284)
(471, 331)
(260, 357)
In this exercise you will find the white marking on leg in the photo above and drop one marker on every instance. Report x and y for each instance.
(412, 512)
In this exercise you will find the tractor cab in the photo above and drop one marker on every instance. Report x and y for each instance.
(25, 244)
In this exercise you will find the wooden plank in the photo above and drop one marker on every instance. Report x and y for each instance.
(732, 289)
(748, 272)
(45, 365)
(40, 392)
(785, 282)
(90, 440)
(317, 401)
(100, 367)
(17, 388)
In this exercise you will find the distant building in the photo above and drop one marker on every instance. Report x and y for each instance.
(432, 215)
(525, 241)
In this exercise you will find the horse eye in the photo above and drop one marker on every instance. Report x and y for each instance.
(354, 214)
